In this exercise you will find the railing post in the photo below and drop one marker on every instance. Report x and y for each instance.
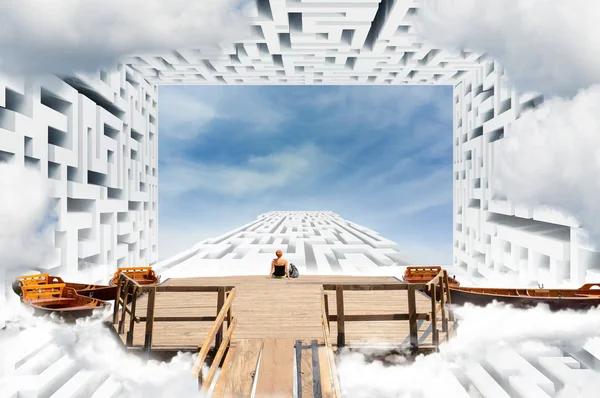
(326, 299)
(339, 295)
(124, 309)
(220, 302)
(412, 317)
(132, 317)
(229, 311)
(150, 319)
(445, 291)
(116, 308)
(434, 331)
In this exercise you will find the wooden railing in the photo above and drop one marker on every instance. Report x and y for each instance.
(330, 357)
(412, 316)
(440, 281)
(220, 342)
(129, 291)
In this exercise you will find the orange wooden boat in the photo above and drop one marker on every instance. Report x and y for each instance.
(101, 292)
(424, 274)
(557, 299)
(145, 276)
(59, 299)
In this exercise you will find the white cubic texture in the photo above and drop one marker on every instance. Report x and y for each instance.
(491, 233)
(316, 42)
(317, 242)
(96, 140)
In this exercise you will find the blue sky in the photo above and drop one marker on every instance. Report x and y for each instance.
(377, 155)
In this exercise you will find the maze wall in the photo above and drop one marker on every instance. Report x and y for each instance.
(316, 42)
(492, 234)
(317, 242)
(96, 140)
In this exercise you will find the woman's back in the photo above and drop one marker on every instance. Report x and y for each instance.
(279, 266)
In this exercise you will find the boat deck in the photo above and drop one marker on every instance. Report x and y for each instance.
(280, 334)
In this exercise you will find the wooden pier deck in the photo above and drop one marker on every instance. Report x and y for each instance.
(281, 328)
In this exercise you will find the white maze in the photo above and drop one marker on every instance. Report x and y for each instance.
(96, 139)
(317, 242)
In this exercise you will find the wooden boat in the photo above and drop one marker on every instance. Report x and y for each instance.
(145, 276)
(100, 292)
(557, 299)
(424, 274)
(59, 299)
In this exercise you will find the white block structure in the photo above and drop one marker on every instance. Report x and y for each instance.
(317, 242)
(96, 140)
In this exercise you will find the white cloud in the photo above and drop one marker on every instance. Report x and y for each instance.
(258, 174)
(187, 112)
(551, 157)
(24, 205)
(484, 337)
(547, 46)
(91, 347)
(61, 36)
(379, 107)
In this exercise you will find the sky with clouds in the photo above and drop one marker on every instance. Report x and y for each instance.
(378, 156)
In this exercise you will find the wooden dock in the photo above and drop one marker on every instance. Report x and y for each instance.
(274, 335)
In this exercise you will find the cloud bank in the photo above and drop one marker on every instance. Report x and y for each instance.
(552, 157)
(24, 211)
(546, 46)
(62, 36)
(484, 338)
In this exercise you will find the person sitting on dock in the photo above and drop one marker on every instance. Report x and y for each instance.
(279, 266)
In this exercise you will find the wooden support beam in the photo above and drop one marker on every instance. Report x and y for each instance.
(434, 331)
(220, 302)
(132, 318)
(339, 296)
(181, 318)
(189, 289)
(124, 309)
(326, 299)
(387, 286)
(380, 317)
(412, 317)
(117, 301)
(149, 320)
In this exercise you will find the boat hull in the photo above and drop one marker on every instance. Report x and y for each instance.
(104, 293)
(100, 292)
(70, 315)
(462, 297)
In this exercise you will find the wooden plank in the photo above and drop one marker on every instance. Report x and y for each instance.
(307, 369)
(223, 379)
(238, 379)
(298, 352)
(326, 381)
(276, 369)
(316, 369)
